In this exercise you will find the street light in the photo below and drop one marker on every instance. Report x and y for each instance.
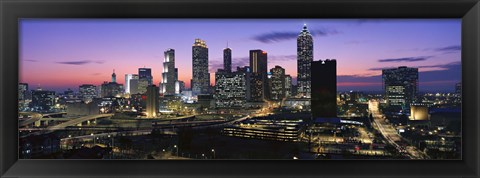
(175, 146)
(213, 151)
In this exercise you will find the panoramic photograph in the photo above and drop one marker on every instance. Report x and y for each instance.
(240, 89)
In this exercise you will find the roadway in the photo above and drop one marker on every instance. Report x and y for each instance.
(78, 121)
(390, 134)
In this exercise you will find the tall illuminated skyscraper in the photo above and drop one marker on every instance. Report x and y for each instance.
(304, 59)
(277, 90)
(170, 73)
(258, 78)
(200, 76)
(227, 59)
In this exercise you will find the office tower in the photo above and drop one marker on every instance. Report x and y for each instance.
(258, 76)
(169, 75)
(87, 92)
(128, 87)
(230, 89)
(152, 101)
(246, 70)
(324, 89)
(142, 85)
(277, 80)
(304, 59)
(145, 73)
(134, 86)
(22, 91)
(400, 86)
(179, 87)
(288, 86)
(42, 100)
(114, 77)
(227, 59)
(200, 82)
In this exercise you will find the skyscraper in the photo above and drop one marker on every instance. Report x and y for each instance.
(324, 89)
(304, 59)
(152, 101)
(400, 86)
(146, 73)
(258, 78)
(230, 89)
(277, 90)
(169, 75)
(201, 77)
(42, 100)
(22, 91)
(288, 86)
(227, 59)
(111, 89)
(128, 78)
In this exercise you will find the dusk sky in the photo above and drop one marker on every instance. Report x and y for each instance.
(60, 54)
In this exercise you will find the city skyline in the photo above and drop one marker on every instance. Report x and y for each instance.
(437, 54)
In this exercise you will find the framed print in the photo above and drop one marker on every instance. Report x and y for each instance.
(239, 88)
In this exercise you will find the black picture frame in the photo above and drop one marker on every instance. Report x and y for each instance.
(12, 10)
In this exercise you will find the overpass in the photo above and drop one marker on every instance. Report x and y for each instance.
(78, 121)
(36, 117)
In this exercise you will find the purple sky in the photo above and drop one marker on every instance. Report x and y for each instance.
(60, 54)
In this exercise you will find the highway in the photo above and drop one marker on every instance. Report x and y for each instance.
(78, 121)
(390, 134)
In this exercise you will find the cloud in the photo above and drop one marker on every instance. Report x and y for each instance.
(289, 35)
(406, 59)
(81, 62)
(31, 60)
(449, 49)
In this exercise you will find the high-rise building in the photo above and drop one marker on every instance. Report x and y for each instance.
(142, 85)
(230, 89)
(258, 76)
(128, 78)
(169, 75)
(227, 59)
(42, 100)
(288, 86)
(22, 91)
(304, 59)
(324, 89)
(200, 82)
(400, 86)
(277, 89)
(134, 86)
(146, 73)
(87, 92)
(152, 101)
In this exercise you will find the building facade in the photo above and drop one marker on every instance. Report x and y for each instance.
(200, 82)
(304, 59)
(146, 73)
(152, 101)
(230, 89)
(398, 79)
(128, 78)
(277, 80)
(288, 86)
(258, 78)
(227, 59)
(87, 92)
(170, 74)
(324, 89)
(42, 100)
